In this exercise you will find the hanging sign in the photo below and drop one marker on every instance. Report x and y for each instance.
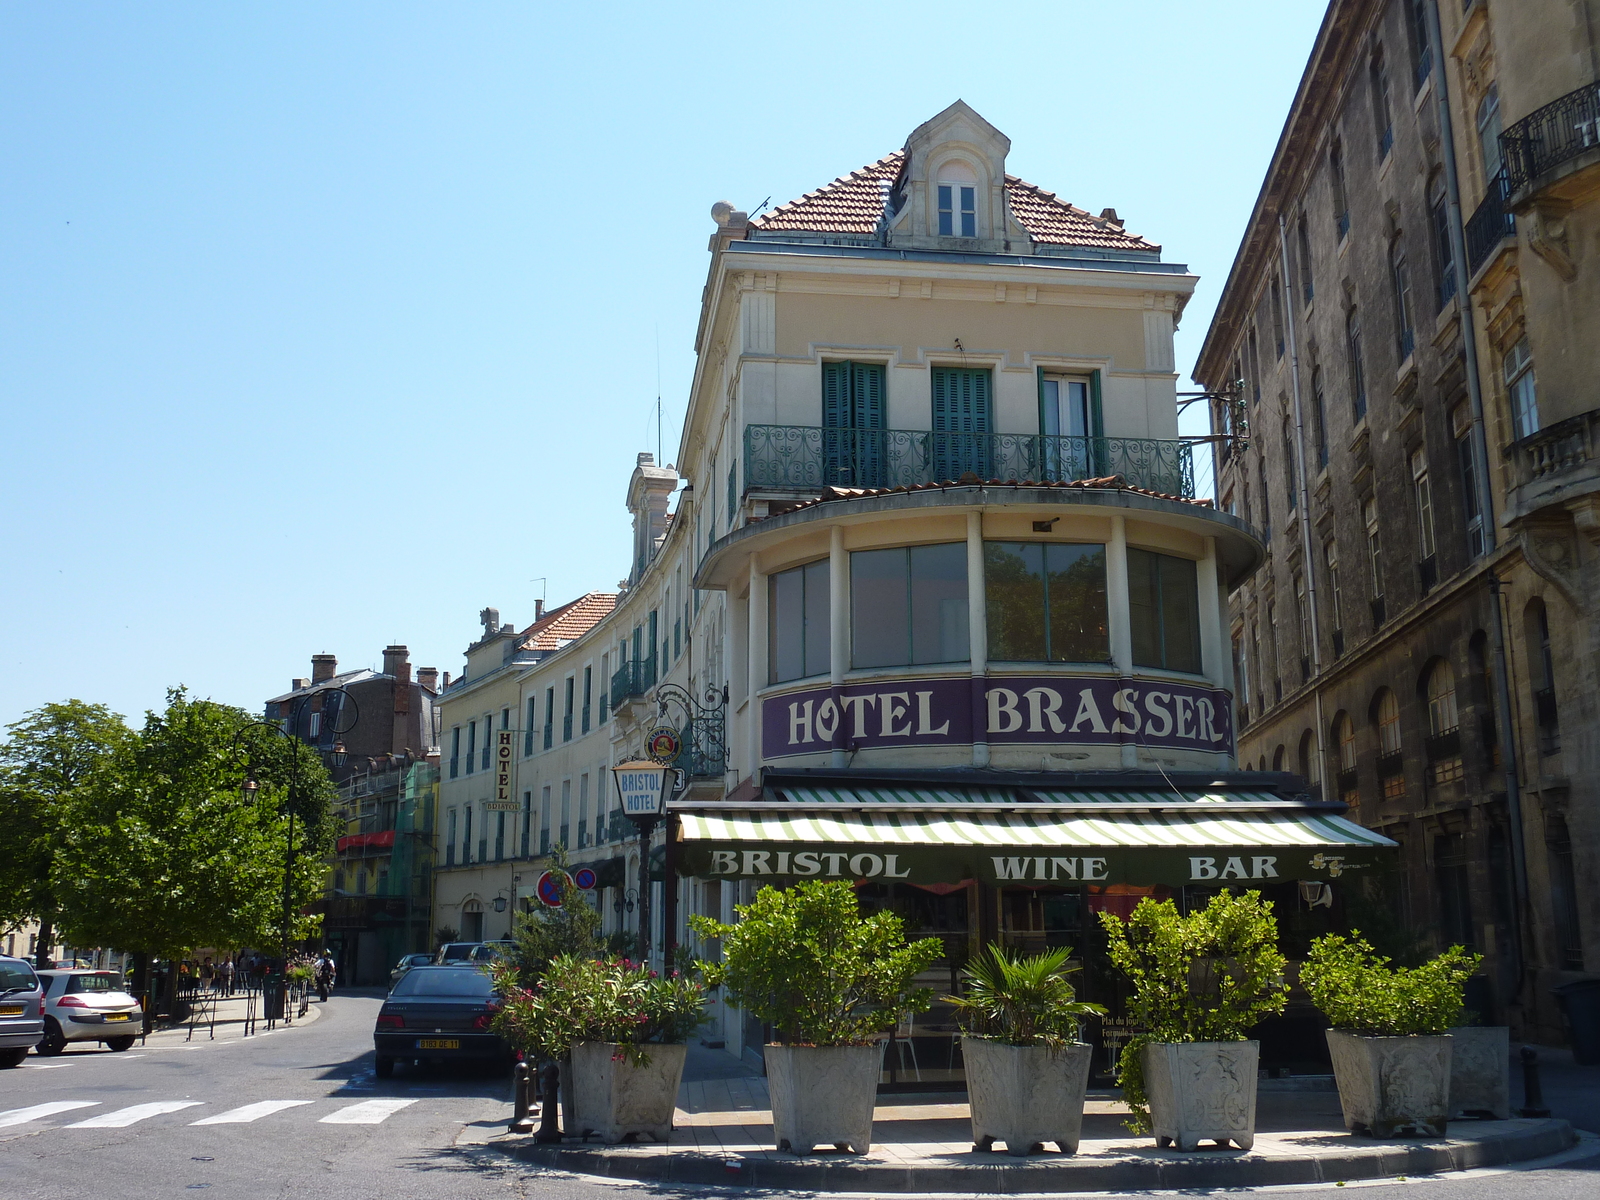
(502, 767)
(641, 789)
(663, 745)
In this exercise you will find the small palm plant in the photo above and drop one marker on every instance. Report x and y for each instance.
(1022, 1000)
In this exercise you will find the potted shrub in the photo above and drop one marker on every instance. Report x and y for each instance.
(1390, 1040)
(1199, 982)
(829, 981)
(1027, 1072)
(622, 1031)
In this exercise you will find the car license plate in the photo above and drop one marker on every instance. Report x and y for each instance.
(10, 1010)
(438, 1043)
(116, 1016)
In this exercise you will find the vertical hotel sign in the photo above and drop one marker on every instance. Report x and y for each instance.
(503, 800)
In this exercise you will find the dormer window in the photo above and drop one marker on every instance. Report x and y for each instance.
(958, 201)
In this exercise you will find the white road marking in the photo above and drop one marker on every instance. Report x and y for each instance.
(368, 1112)
(21, 1116)
(250, 1112)
(124, 1117)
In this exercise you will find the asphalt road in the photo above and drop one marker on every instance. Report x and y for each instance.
(303, 1115)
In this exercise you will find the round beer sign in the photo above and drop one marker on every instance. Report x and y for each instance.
(663, 744)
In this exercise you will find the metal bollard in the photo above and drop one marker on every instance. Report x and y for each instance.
(1532, 1090)
(520, 1121)
(549, 1104)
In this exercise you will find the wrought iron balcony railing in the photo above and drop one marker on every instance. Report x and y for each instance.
(808, 458)
(1489, 225)
(1551, 137)
(632, 679)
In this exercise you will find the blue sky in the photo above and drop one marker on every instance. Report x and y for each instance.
(323, 326)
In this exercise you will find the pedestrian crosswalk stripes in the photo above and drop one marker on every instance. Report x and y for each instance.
(364, 1112)
(21, 1116)
(368, 1112)
(124, 1117)
(250, 1112)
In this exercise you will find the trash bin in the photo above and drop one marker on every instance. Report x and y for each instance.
(1580, 1002)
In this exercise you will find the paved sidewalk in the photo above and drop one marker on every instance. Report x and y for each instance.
(923, 1142)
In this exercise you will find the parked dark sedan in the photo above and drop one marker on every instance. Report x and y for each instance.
(439, 1012)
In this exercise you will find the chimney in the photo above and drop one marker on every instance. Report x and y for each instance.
(447, 679)
(538, 609)
(428, 677)
(296, 684)
(397, 663)
(323, 667)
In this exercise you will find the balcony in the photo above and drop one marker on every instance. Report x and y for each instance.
(705, 746)
(632, 679)
(1555, 466)
(1489, 227)
(800, 458)
(1554, 151)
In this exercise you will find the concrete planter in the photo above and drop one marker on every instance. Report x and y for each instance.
(1392, 1084)
(1480, 1070)
(617, 1100)
(1025, 1096)
(1202, 1091)
(823, 1096)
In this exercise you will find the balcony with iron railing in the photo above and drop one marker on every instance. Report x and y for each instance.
(632, 679)
(801, 458)
(1549, 148)
(1489, 227)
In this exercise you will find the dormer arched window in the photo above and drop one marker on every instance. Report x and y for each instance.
(957, 194)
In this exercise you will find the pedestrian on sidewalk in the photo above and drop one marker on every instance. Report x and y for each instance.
(225, 976)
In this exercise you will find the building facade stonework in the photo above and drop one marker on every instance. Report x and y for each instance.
(1402, 368)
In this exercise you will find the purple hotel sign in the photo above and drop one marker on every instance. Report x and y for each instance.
(1050, 709)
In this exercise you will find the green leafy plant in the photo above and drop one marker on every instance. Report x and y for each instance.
(546, 933)
(1205, 977)
(1021, 1000)
(587, 1000)
(809, 963)
(1359, 990)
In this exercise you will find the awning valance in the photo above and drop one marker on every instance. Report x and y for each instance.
(998, 837)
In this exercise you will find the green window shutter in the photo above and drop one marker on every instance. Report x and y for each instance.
(836, 395)
(867, 396)
(961, 422)
(1099, 457)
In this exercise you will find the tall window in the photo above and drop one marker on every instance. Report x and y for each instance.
(549, 717)
(1241, 674)
(1422, 492)
(1046, 602)
(853, 419)
(583, 809)
(908, 605)
(1400, 277)
(544, 819)
(1467, 465)
(1452, 867)
(527, 822)
(455, 751)
(1319, 413)
(1563, 890)
(1164, 610)
(472, 744)
(566, 813)
(1341, 205)
(1444, 255)
(450, 838)
(1277, 316)
(1358, 378)
(499, 836)
(527, 730)
(958, 201)
(1444, 750)
(1382, 122)
(962, 398)
(1272, 669)
(1303, 613)
(1255, 367)
(1369, 517)
(1303, 239)
(1345, 735)
(1421, 50)
(1330, 556)
(466, 835)
(1536, 629)
(1488, 122)
(1266, 500)
(798, 622)
(1388, 715)
(1521, 387)
(566, 709)
(1288, 463)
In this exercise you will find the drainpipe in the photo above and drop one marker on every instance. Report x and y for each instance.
(1480, 465)
(1310, 572)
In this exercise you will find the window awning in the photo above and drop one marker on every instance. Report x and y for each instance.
(1013, 835)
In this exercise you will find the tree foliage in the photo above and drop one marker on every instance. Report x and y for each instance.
(167, 851)
(1205, 977)
(47, 760)
(807, 961)
(546, 934)
(1360, 990)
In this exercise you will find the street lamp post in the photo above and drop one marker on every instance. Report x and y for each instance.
(337, 754)
(642, 794)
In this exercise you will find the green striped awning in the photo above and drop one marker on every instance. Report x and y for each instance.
(1264, 839)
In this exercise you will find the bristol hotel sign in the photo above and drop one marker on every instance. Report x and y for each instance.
(1046, 709)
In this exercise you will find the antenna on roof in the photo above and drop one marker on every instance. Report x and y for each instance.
(761, 208)
(658, 393)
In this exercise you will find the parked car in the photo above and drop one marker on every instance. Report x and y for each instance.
(438, 1012)
(87, 1006)
(21, 1011)
(490, 951)
(452, 952)
(407, 961)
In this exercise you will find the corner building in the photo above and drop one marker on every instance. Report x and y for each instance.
(972, 614)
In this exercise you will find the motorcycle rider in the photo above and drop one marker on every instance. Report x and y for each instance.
(325, 971)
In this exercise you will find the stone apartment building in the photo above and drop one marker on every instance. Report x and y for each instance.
(1403, 364)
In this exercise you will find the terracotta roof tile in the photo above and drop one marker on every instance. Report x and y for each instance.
(854, 204)
(569, 622)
